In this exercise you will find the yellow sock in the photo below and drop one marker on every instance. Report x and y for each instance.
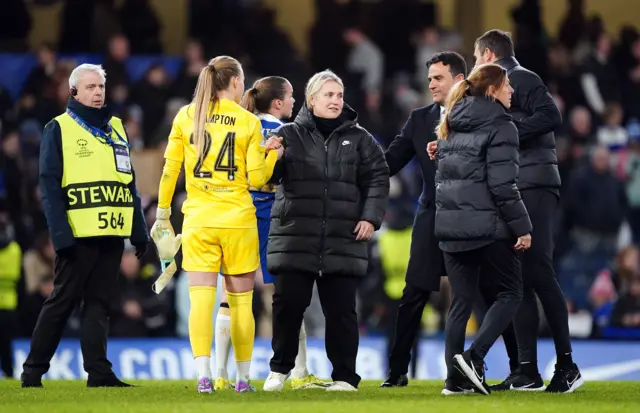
(201, 319)
(243, 327)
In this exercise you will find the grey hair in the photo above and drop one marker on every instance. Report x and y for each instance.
(317, 81)
(74, 78)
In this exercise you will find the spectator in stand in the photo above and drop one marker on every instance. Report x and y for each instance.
(152, 93)
(598, 84)
(366, 58)
(626, 311)
(42, 74)
(187, 77)
(115, 62)
(141, 26)
(595, 210)
(611, 134)
(597, 201)
(580, 132)
(632, 188)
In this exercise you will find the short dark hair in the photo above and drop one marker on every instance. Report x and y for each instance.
(456, 63)
(497, 41)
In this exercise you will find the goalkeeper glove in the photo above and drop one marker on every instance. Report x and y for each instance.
(162, 223)
(164, 237)
(167, 244)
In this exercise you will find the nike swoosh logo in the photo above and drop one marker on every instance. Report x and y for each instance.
(461, 390)
(481, 378)
(526, 386)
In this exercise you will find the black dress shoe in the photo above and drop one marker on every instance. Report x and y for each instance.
(394, 380)
(107, 382)
(30, 382)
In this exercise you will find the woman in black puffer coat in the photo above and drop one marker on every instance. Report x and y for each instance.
(481, 220)
(333, 188)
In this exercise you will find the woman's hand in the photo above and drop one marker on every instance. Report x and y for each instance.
(524, 242)
(432, 148)
(273, 143)
(363, 231)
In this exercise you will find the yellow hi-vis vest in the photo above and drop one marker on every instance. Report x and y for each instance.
(99, 202)
(395, 249)
(10, 265)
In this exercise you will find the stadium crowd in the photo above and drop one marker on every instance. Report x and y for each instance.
(594, 78)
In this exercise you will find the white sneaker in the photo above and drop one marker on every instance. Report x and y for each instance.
(275, 381)
(341, 386)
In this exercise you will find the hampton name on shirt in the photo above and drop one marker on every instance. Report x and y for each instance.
(217, 183)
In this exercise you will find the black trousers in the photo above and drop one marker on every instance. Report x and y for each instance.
(407, 325)
(8, 329)
(487, 297)
(88, 274)
(496, 265)
(539, 277)
(338, 299)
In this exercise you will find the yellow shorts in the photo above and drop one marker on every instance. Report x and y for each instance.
(234, 250)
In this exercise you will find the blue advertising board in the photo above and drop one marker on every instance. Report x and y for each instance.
(170, 359)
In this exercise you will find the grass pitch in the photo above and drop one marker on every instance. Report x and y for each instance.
(420, 396)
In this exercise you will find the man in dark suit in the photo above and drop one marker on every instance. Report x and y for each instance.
(536, 116)
(426, 264)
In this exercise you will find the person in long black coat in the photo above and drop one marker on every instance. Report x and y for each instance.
(426, 264)
(333, 188)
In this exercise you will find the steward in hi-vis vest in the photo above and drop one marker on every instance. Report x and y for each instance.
(95, 179)
(91, 203)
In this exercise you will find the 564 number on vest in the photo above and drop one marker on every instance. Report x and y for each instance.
(113, 220)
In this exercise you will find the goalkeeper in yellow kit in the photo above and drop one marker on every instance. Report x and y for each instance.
(220, 144)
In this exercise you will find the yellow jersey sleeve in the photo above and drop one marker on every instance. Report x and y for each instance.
(174, 155)
(255, 150)
(175, 146)
(168, 181)
(259, 169)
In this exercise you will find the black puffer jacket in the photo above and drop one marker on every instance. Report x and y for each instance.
(326, 187)
(476, 193)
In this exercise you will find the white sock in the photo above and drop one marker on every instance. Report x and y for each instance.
(203, 365)
(243, 368)
(300, 368)
(223, 343)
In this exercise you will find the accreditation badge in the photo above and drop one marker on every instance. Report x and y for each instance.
(123, 161)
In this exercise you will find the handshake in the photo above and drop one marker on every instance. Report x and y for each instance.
(274, 143)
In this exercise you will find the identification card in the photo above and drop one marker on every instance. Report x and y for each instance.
(123, 161)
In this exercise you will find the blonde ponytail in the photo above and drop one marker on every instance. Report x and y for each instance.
(204, 93)
(214, 77)
(249, 100)
(455, 95)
